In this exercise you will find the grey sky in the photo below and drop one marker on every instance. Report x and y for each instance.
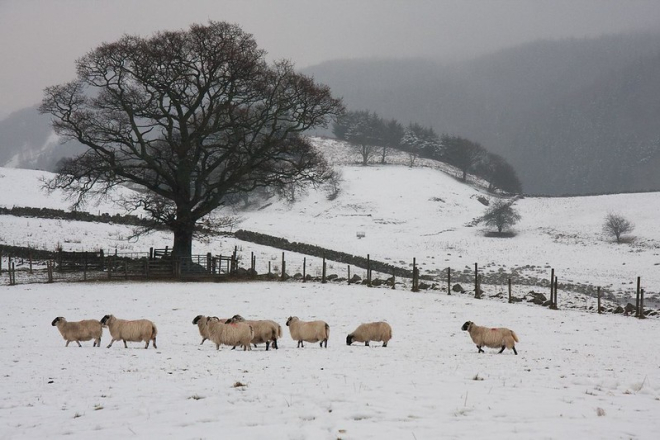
(41, 39)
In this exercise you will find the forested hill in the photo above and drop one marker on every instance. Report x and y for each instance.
(573, 116)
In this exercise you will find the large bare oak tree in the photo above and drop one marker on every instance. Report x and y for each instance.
(193, 118)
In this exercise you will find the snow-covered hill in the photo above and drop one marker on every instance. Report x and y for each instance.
(422, 212)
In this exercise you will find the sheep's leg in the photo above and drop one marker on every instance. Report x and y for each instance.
(147, 345)
(275, 344)
(111, 341)
(217, 346)
(78, 342)
(514, 350)
(300, 344)
(385, 344)
(255, 346)
(366, 343)
(67, 343)
(503, 347)
(125, 345)
(154, 344)
(326, 343)
(203, 339)
(480, 350)
(267, 345)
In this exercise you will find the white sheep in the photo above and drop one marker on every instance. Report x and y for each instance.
(491, 337)
(265, 330)
(235, 334)
(372, 331)
(200, 321)
(132, 331)
(84, 330)
(312, 331)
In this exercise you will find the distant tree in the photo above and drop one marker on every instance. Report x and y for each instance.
(192, 118)
(391, 137)
(462, 153)
(499, 174)
(617, 225)
(365, 134)
(501, 215)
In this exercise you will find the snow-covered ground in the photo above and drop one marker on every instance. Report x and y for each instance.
(578, 375)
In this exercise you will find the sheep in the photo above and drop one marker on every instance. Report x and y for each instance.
(372, 331)
(133, 331)
(491, 337)
(238, 333)
(200, 321)
(85, 330)
(265, 330)
(313, 331)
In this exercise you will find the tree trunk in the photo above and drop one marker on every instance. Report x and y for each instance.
(183, 236)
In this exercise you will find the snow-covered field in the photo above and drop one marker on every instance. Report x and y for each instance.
(578, 375)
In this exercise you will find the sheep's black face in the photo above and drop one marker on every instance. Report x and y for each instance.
(349, 340)
(289, 320)
(230, 321)
(237, 318)
(104, 320)
(55, 321)
(466, 326)
(197, 318)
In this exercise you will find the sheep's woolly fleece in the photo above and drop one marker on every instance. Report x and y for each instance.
(577, 375)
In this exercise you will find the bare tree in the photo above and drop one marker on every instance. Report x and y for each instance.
(501, 214)
(193, 117)
(617, 225)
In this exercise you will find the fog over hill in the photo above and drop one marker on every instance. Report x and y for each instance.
(573, 116)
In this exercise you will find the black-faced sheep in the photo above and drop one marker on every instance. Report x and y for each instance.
(235, 334)
(312, 331)
(265, 330)
(132, 331)
(372, 331)
(77, 331)
(201, 322)
(491, 337)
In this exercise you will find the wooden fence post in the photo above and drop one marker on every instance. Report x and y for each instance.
(552, 286)
(393, 278)
(641, 304)
(12, 274)
(415, 274)
(304, 269)
(477, 294)
(269, 271)
(555, 302)
(449, 281)
(283, 275)
(324, 269)
(0, 261)
(598, 290)
(476, 281)
(85, 267)
(509, 282)
(49, 268)
(102, 256)
(368, 270)
(639, 282)
(349, 274)
(30, 258)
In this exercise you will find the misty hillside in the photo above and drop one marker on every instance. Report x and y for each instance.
(28, 141)
(573, 116)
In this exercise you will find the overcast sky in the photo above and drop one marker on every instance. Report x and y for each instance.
(41, 39)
